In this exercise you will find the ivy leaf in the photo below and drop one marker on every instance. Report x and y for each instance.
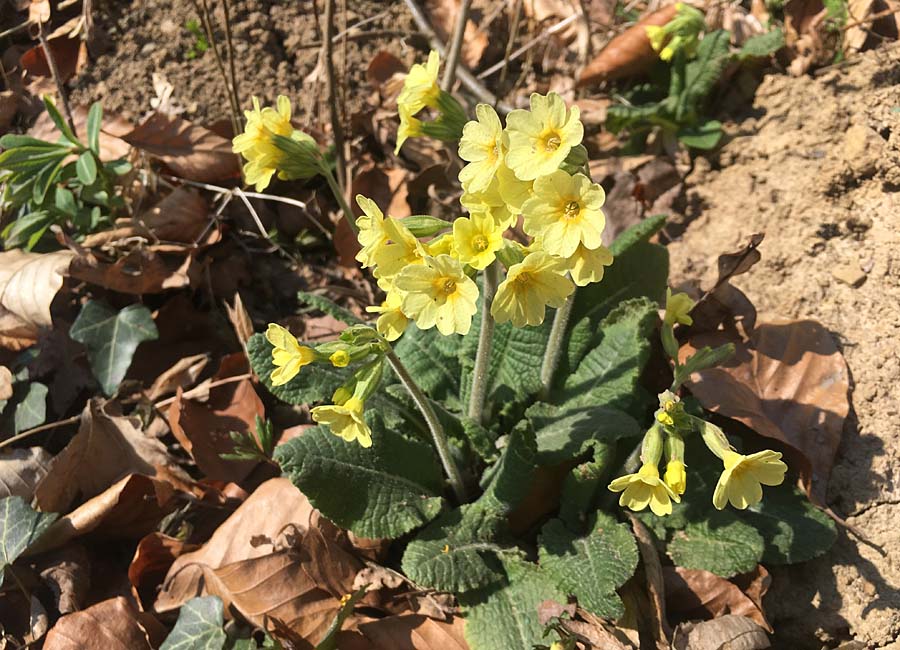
(563, 433)
(507, 616)
(382, 492)
(590, 567)
(721, 544)
(111, 339)
(199, 626)
(20, 527)
(794, 530)
(31, 411)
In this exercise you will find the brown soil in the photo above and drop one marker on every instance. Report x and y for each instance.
(816, 166)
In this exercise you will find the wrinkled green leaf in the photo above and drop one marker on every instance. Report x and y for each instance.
(199, 626)
(703, 136)
(722, 544)
(431, 359)
(762, 45)
(329, 307)
(20, 527)
(111, 339)
(563, 433)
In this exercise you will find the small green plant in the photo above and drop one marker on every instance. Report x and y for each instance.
(63, 182)
(201, 44)
(250, 447)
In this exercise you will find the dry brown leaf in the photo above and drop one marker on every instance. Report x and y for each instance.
(182, 216)
(129, 509)
(21, 470)
(112, 128)
(203, 428)
(628, 53)
(39, 11)
(240, 320)
(138, 272)
(726, 633)
(181, 375)
(153, 556)
(697, 594)
(443, 15)
(6, 383)
(9, 106)
(67, 573)
(106, 448)
(788, 382)
(28, 284)
(109, 625)
(191, 151)
(68, 51)
(414, 632)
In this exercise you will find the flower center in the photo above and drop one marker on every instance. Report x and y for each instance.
(448, 286)
(572, 209)
(522, 280)
(552, 142)
(480, 243)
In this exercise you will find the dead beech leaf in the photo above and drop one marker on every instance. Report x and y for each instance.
(68, 51)
(182, 216)
(729, 632)
(21, 470)
(153, 556)
(191, 151)
(67, 572)
(28, 284)
(415, 632)
(203, 428)
(106, 448)
(628, 53)
(39, 11)
(697, 594)
(788, 382)
(109, 625)
(183, 374)
(443, 15)
(138, 272)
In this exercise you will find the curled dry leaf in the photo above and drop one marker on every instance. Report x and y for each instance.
(240, 320)
(697, 594)
(628, 53)
(788, 382)
(729, 632)
(6, 383)
(68, 51)
(109, 625)
(406, 632)
(21, 470)
(183, 374)
(182, 216)
(153, 556)
(28, 284)
(189, 150)
(106, 448)
(67, 573)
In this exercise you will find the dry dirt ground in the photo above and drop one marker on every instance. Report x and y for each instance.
(815, 165)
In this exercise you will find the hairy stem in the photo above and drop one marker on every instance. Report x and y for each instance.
(337, 128)
(459, 31)
(555, 345)
(339, 197)
(434, 426)
(485, 338)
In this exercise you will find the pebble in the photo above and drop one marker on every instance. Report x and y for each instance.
(850, 275)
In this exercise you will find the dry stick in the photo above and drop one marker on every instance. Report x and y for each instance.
(54, 72)
(201, 389)
(336, 127)
(513, 35)
(870, 19)
(654, 575)
(465, 77)
(43, 427)
(459, 31)
(359, 36)
(259, 225)
(229, 49)
(203, 9)
(530, 44)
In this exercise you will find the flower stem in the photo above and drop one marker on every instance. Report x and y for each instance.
(554, 346)
(434, 425)
(485, 338)
(339, 197)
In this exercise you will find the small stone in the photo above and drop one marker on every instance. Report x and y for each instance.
(849, 275)
(863, 149)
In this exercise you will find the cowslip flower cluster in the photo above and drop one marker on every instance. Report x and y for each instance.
(679, 34)
(742, 477)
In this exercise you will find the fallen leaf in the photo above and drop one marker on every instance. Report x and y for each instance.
(153, 556)
(39, 11)
(183, 374)
(182, 216)
(199, 626)
(697, 594)
(443, 15)
(203, 428)
(788, 382)
(6, 383)
(22, 528)
(240, 320)
(106, 448)
(382, 68)
(67, 574)
(21, 470)
(112, 147)
(191, 151)
(28, 284)
(68, 51)
(39, 623)
(9, 106)
(109, 625)
(140, 271)
(628, 53)
(414, 632)
(726, 633)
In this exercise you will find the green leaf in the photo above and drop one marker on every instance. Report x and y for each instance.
(199, 626)
(314, 383)
(457, 552)
(432, 361)
(639, 233)
(60, 122)
(705, 357)
(506, 617)
(20, 527)
(331, 637)
(564, 433)
(794, 530)
(329, 307)
(111, 339)
(592, 567)
(583, 485)
(704, 71)
(32, 410)
(608, 374)
(44, 180)
(511, 476)
(94, 119)
(385, 491)
(702, 136)
(86, 168)
(762, 45)
(722, 544)
(12, 141)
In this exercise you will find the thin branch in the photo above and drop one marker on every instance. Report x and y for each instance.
(54, 72)
(203, 388)
(260, 227)
(43, 427)
(229, 49)
(459, 31)
(336, 126)
(507, 55)
(202, 8)
(530, 44)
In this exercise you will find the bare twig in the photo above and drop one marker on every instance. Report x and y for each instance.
(507, 55)
(871, 19)
(43, 427)
(336, 126)
(202, 8)
(54, 72)
(530, 44)
(229, 49)
(459, 31)
(204, 388)
(260, 227)
(465, 76)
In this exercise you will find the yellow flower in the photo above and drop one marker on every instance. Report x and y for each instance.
(371, 229)
(256, 143)
(420, 89)
(477, 240)
(675, 476)
(410, 127)
(439, 293)
(513, 190)
(443, 245)
(483, 148)
(402, 250)
(565, 211)
(288, 355)
(657, 36)
(740, 482)
(586, 266)
(643, 489)
(340, 358)
(678, 308)
(391, 321)
(540, 139)
(491, 202)
(345, 421)
(529, 287)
